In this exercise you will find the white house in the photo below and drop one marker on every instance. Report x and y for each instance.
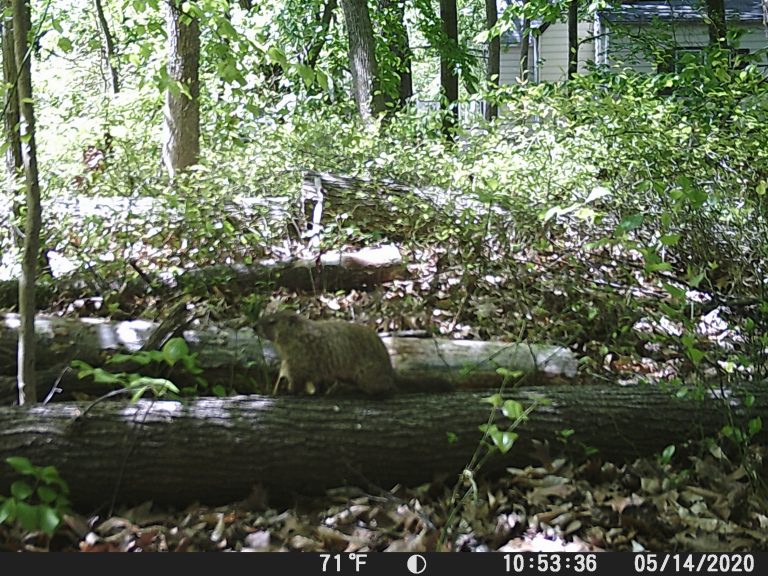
(642, 35)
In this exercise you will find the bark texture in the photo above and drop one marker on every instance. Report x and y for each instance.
(362, 59)
(109, 50)
(718, 30)
(216, 450)
(33, 219)
(494, 56)
(573, 38)
(449, 78)
(11, 104)
(239, 360)
(181, 129)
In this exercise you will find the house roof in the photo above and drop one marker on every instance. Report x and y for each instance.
(686, 10)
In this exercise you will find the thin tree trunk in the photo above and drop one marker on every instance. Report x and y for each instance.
(110, 54)
(26, 350)
(494, 56)
(525, 43)
(449, 79)
(181, 131)
(718, 30)
(362, 59)
(573, 38)
(320, 35)
(11, 105)
(399, 47)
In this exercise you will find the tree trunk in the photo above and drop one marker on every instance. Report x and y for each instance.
(217, 450)
(449, 79)
(525, 43)
(362, 59)
(240, 361)
(573, 38)
(718, 30)
(109, 53)
(493, 70)
(181, 130)
(395, 31)
(313, 53)
(11, 105)
(362, 269)
(26, 348)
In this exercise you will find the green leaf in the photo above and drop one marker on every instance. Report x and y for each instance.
(277, 56)
(674, 291)
(138, 393)
(667, 453)
(27, 516)
(630, 223)
(49, 519)
(695, 279)
(50, 475)
(659, 267)
(83, 369)
(174, 350)
(46, 494)
(307, 74)
(190, 365)
(226, 29)
(101, 376)
(219, 391)
(496, 400)
(755, 426)
(512, 409)
(452, 437)
(8, 510)
(503, 440)
(322, 79)
(508, 374)
(21, 490)
(670, 239)
(21, 464)
(65, 44)
(118, 358)
(695, 355)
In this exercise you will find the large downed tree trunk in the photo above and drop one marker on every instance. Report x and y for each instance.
(239, 360)
(217, 450)
(335, 270)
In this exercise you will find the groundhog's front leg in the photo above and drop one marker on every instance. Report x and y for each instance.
(285, 374)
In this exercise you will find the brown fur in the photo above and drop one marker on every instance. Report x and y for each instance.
(318, 353)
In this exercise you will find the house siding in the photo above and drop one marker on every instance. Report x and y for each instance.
(509, 67)
(553, 51)
(623, 52)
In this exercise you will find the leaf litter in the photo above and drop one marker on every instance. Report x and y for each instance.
(702, 504)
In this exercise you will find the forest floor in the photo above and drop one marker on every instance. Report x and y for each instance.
(709, 505)
(622, 325)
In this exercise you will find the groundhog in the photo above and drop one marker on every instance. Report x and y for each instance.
(316, 354)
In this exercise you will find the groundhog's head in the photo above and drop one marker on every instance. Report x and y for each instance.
(270, 326)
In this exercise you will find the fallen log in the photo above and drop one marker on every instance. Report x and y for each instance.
(328, 271)
(216, 450)
(240, 361)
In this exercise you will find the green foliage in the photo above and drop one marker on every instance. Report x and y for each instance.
(174, 352)
(499, 436)
(37, 504)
